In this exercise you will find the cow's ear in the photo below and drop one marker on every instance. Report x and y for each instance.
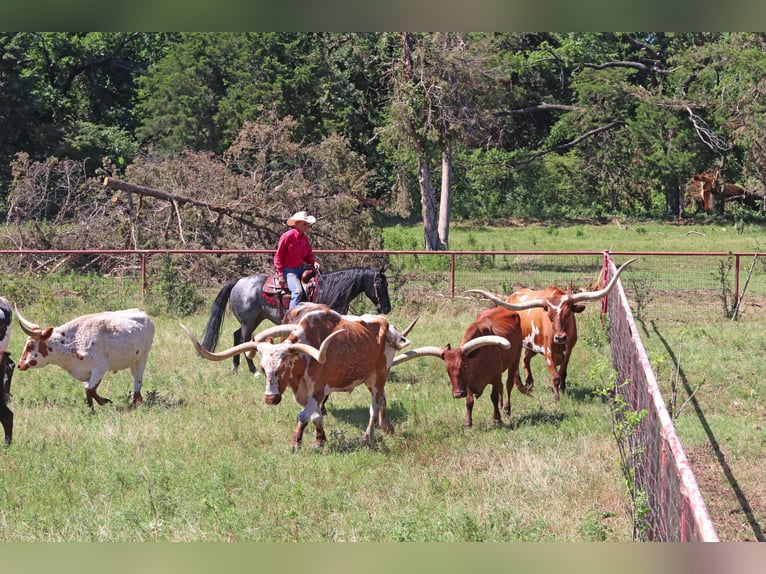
(46, 334)
(578, 308)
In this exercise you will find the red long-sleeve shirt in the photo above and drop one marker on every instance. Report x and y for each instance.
(293, 250)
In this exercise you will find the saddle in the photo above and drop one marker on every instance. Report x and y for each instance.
(278, 297)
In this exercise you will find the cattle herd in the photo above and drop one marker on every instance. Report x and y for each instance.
(317, 351)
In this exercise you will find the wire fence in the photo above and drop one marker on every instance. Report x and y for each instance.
(716, 286)
(676, 511)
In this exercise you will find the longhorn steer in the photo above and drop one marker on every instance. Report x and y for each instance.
(6, 369)
(90, 346)
(361, 350)
(490, 346)
(548, 325)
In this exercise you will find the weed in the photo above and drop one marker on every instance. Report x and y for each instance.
(726, 294)
(181, 299)
(624, 422)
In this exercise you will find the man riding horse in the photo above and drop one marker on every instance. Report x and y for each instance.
(294, 254)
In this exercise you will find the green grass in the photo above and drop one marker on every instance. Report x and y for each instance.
(204, 459)
(617, 235)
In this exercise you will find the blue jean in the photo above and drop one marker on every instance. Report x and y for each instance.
(293, 277)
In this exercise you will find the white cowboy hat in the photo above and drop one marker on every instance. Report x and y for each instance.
(301, 216)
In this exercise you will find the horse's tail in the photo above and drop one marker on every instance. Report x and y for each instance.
(214, 323)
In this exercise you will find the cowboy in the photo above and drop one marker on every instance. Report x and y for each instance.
(294, 255)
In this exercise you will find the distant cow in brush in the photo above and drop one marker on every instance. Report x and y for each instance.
(6, 370)
(90, 346)
(490, 346)
(324, 352)
(548, 325)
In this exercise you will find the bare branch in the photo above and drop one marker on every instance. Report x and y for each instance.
(540, 108)
(627, 64)
(570, 144)
(176, 200)
(707, 135)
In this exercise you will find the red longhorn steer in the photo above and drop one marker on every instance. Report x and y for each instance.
(90, 346)
(490, 346)
(361, 350)
(548, 325)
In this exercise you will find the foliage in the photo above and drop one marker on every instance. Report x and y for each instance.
(180, 297)
(263, 178)
(542, 125)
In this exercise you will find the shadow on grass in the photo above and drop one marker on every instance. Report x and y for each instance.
(741, 498)
(537, 418)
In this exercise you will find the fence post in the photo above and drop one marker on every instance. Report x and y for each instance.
(143, 276)
(452, 275)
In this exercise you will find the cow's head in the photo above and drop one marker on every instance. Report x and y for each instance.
(35, 353)
(285, 364)
(561, 317)
(459, 362)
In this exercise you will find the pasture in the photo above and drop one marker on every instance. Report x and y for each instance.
(204, 459)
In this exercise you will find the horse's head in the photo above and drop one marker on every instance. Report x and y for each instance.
(377, 290)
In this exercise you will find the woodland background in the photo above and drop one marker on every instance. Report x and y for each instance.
(240, 130)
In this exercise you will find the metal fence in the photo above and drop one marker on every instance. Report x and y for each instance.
(659, 284)
(676, 509)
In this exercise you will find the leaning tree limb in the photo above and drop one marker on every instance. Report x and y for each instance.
(178, 200)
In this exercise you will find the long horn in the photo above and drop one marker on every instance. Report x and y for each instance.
(479, 342)
(415, 353)
(591, 295)
(409, 327)
(275, 331)
(512, 306)
(319, 355)
(220, 356)
(31, 329)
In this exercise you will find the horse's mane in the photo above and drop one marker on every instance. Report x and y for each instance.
(338, 288)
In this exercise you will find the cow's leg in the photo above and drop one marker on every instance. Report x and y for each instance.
(563, 367)
(378, 412)
(555, 377)
(310, 413)
(495, 396)
(530, 381)
(138, 380)
(383, 421)
(469, 399)
(297, 439)
(91, 388)
(320, 438)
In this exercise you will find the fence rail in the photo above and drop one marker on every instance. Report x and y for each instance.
(710, 282)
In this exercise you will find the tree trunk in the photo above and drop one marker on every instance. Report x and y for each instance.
(428, 207)
(445, 202)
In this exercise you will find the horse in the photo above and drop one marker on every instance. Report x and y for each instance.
(246, 299)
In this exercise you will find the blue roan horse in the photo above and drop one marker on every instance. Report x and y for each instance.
(249, 306)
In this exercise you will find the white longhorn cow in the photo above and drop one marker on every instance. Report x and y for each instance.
(90, 346)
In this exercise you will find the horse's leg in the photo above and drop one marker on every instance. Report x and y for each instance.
(247, 335)
(235, 358)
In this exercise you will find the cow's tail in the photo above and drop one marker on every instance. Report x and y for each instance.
(214, 323)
